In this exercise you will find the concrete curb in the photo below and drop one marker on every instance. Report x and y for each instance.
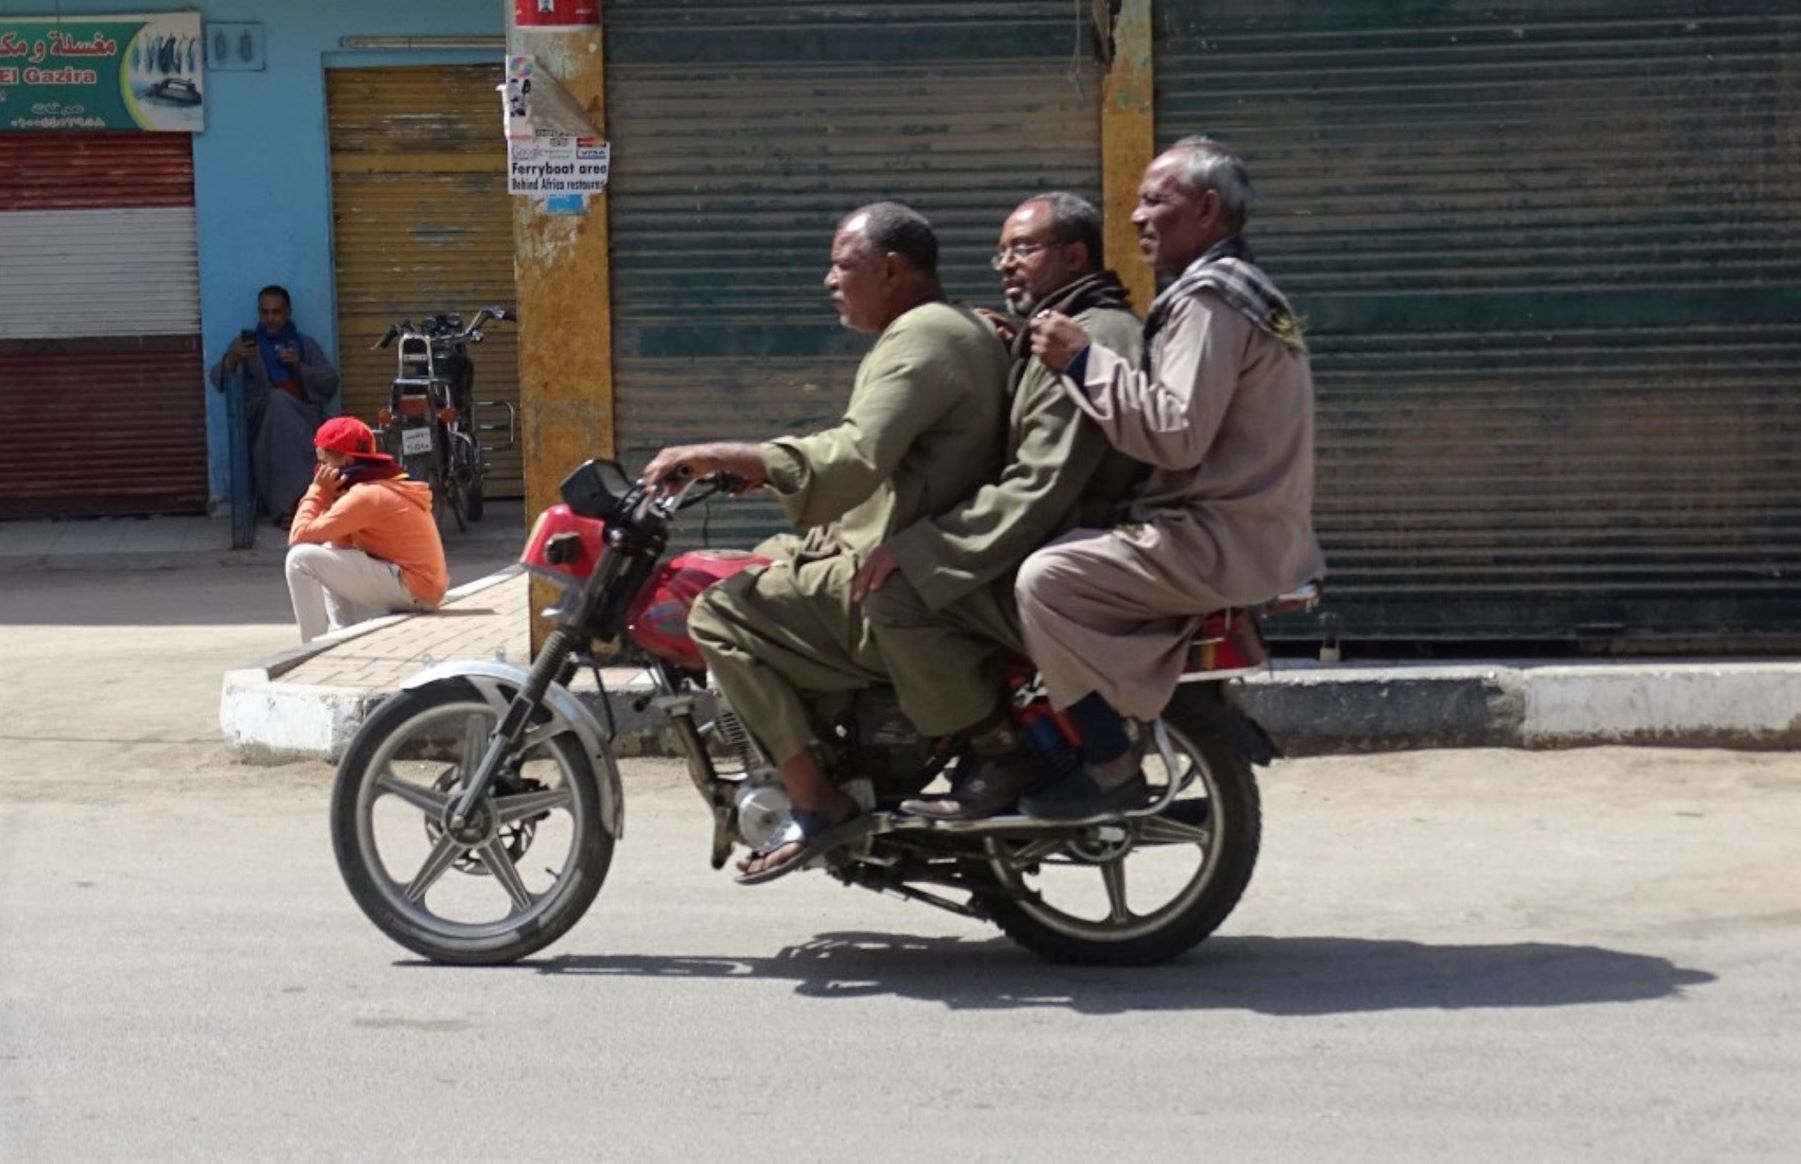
(1732, 705)
(266, 721)
(1317, 709)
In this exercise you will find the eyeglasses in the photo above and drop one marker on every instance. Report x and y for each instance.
(1018, 251)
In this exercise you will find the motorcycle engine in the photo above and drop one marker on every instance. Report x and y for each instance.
(762, 807)
(883, 747)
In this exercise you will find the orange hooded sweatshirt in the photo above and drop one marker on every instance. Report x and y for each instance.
(390, 520)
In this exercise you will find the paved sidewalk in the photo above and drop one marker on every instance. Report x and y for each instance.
(489, 621)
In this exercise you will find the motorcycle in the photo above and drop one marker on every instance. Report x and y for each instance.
(430, 424)
(475, 812)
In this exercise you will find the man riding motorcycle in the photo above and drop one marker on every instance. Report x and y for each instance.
(1222, 411)
(922, 430)
(939, 594)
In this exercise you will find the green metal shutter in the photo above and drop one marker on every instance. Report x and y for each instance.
(741, 133)
(1549, 257)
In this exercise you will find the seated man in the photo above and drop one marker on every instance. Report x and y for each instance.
(923, 428)
(1223, 413)
(287, 383)
(364, 542)
(939, 594)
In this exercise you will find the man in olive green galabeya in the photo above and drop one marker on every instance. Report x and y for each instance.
(939, 594)
(923, 429)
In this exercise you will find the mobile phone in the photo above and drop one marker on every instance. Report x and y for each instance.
(247, 335)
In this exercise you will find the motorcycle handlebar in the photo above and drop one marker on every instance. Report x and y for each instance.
(440, 327)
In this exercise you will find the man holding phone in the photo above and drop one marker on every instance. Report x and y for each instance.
(287, 383)
(363, 542)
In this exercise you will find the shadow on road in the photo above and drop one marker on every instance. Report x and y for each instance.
(1276, 976)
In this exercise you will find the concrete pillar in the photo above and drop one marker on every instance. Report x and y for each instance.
(1128, 142)
(565, 299)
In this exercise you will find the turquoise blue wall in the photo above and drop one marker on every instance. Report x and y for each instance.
(261, 170)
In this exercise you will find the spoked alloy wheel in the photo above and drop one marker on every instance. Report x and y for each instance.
(1139, 891)
(510, 880)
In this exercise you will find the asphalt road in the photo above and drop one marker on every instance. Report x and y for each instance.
(1486, 955)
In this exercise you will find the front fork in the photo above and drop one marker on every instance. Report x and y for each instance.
(546, 669)
(678, 705)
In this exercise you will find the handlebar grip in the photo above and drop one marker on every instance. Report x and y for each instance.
(729, 482)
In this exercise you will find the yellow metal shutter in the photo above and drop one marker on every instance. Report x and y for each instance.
(422, 224)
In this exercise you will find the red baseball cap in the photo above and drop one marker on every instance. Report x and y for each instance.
(347, 434)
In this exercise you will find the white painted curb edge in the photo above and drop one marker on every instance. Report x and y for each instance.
(267, 722)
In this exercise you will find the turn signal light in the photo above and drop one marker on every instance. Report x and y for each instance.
(447, 415)
(384, 416)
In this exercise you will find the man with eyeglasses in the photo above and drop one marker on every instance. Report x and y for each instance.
(938, 594)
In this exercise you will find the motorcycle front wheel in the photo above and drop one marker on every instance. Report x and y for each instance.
(514, 878)
(1069, 898)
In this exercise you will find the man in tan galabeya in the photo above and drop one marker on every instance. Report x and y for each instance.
(1222, 411)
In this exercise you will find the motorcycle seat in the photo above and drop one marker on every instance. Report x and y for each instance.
(1230, 641)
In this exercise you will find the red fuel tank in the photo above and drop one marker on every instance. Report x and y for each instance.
(659, 619)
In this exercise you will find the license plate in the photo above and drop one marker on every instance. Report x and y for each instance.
(415, 440)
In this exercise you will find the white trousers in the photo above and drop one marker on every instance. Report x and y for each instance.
(332, 589)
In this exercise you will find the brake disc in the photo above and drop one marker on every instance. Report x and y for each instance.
(515, 838)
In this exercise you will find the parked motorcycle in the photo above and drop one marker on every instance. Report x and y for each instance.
(475, 812)
(430, 423)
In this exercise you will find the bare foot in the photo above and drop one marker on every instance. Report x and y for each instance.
(756, 864)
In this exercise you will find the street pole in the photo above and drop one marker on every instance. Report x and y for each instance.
(564, 289)
(240, 487)
(1128, 142)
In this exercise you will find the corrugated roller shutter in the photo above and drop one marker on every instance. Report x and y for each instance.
(98, 426)
(67, 171)
(743, 131)
(72, 272)
(101, 381)
(1550, 264)
(422, 225)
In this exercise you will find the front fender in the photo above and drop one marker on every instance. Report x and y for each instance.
(499, 682)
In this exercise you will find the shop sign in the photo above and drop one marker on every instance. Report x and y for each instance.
(102, 72)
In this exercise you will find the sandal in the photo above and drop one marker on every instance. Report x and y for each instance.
(984, 785)
(817, 832)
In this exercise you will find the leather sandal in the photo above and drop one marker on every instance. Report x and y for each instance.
(983, 787)
(816, 832)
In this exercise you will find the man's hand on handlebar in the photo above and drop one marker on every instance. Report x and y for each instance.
(679, 464)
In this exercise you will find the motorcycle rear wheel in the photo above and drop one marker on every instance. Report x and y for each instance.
(1220, 815)
(416, 749)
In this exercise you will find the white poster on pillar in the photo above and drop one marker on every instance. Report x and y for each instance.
(554, 167)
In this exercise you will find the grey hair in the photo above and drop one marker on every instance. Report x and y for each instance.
(1208, 165)
(891, 228)
(1074, 220)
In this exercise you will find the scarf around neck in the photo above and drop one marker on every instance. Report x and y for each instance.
(1228, 270)
(360, 472)
(267, 345)
(1101, 289)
